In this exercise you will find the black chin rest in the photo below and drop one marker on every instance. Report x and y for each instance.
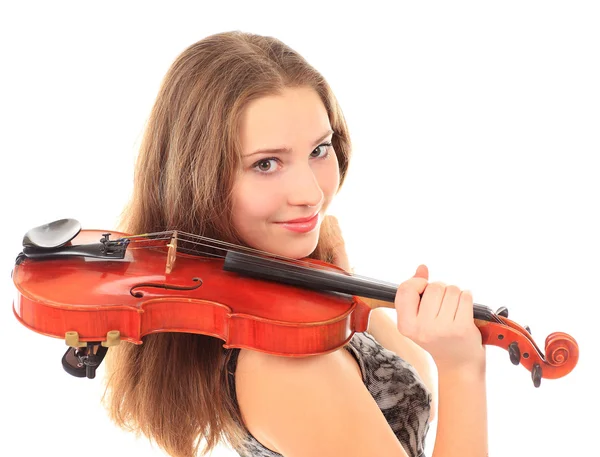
(52, 235)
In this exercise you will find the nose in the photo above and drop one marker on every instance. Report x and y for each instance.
(304, 188)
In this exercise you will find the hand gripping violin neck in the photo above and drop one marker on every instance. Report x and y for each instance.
(95, 292)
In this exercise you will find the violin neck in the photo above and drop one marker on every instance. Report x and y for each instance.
(376, 294)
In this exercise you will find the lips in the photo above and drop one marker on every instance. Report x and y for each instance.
(302, 219)
(301, 225)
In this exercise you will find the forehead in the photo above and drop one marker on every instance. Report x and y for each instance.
(294, 116)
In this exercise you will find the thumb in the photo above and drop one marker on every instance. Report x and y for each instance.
(422, 272)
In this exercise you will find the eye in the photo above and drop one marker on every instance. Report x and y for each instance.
(323, 149)
(265, 165)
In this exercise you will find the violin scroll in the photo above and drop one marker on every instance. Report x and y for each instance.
(560, 355)
(561, 349)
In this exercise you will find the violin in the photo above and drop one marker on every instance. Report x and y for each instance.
(97, 288)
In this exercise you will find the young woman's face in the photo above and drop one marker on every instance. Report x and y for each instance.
(296, 179)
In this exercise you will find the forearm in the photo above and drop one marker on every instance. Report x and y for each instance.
(462, 414)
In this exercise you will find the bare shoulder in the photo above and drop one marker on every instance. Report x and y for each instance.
(312, 406)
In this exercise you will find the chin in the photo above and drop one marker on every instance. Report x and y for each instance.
(294, 249)
(301, 253)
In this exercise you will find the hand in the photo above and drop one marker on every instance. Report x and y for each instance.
(340, 256)
(441, 322)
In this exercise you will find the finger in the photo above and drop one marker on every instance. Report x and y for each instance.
(464, 311)
(408, 297)
(449, 305)
(422, 272)
(431, 302)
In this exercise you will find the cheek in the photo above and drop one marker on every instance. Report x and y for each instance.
(252, 204)
(329, 178)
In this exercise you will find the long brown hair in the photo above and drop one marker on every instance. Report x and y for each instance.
(174, 387)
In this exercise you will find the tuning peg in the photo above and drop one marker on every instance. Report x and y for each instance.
(536, 374)
(502, 311)
(514, 352)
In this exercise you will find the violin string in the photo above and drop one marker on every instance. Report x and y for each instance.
(306, 272)
(277, 259)
(141, 239)
(281, 260)
(482, 308)
(485, 310)
(217, 244)
(262, 254)
(303, 264)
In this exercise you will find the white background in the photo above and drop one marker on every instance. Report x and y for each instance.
(476, 136)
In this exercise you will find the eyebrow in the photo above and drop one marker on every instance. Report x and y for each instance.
(282, 150)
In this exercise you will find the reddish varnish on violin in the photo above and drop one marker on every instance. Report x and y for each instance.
(94, 292)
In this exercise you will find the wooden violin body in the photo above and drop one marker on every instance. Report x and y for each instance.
(135, 296)
(95, 292)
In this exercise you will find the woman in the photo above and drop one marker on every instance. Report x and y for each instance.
(246, 144)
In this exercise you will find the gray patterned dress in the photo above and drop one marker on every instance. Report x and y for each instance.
(394, 384)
